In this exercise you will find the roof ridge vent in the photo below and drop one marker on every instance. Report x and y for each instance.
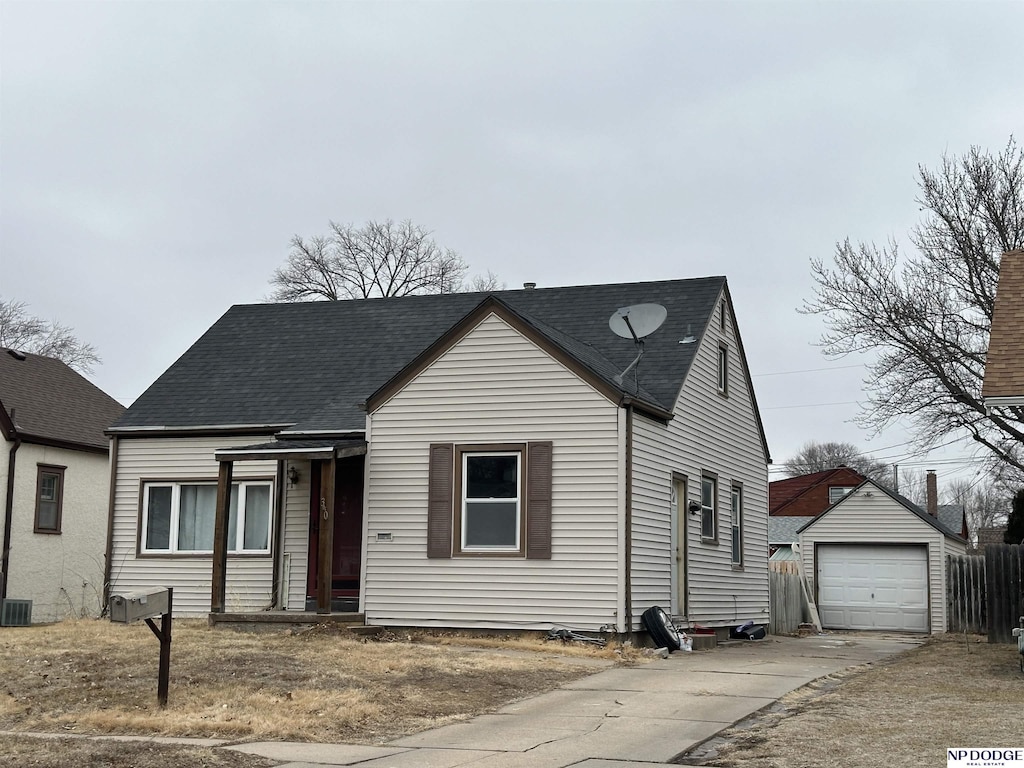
(17, 354)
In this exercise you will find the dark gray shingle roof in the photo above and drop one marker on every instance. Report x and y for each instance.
(309, 366)
(53, 403)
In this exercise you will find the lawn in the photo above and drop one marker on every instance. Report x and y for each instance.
(323, 684)
(950, 692)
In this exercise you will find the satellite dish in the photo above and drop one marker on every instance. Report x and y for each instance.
(637, 321)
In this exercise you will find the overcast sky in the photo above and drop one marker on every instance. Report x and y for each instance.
(157, 157)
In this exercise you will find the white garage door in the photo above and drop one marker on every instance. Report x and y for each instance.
(863, 586)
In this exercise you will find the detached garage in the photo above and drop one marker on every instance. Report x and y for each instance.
(878, 562)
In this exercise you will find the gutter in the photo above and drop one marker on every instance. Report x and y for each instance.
(107, 564)
(629, 522)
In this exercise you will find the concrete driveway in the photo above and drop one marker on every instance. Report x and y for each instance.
(620, 718)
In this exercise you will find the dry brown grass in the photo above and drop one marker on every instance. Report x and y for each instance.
(321, 685)
(947, 693)
(27, 752)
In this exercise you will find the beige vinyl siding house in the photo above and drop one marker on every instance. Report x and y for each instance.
(460, 460)
(888, 557)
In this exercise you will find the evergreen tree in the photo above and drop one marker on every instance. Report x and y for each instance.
(1015, 523)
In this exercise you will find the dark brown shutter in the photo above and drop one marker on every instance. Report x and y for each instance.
(538, 501)
(439, 500)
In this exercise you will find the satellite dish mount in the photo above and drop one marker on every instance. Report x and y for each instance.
(636, 322)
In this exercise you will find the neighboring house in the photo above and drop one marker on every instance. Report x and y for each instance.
(54, 485)
(457, 460)
(782, 532)
(878, 561)
(1004, 366)
(810, 495)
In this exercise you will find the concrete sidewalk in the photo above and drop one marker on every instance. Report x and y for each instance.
(620, 718)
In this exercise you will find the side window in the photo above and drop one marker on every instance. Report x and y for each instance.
(723, 371)
(737, 525)
(708, 508)
(49, 498)
(836, 492)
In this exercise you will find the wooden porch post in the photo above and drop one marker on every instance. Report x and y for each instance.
(325, 553)
(220, 538)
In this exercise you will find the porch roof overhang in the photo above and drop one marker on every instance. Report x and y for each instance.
(282, 450)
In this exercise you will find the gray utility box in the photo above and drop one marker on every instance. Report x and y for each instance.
(136, 606)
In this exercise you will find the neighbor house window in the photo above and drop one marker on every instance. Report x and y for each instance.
(179, 518)
(490, 509)
(737, 525)
(836, 492)
(489, 500)
(49, 498)
(708, 513)
(723, 371)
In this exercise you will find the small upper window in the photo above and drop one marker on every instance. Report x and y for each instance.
(836, 492)
(723, 371)
(721, 315)
(49, 499)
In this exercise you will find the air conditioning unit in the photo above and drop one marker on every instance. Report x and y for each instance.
(16, 613)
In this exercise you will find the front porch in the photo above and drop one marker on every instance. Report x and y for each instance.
(318, 527)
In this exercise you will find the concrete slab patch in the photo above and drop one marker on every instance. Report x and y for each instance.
(319, 754)
(502, 733)
(428, 758)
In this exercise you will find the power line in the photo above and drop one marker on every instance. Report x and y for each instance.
(807, 405)
(806, 370)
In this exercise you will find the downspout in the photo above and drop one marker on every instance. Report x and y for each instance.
(629, 521)
(8, 513)
(107, 562)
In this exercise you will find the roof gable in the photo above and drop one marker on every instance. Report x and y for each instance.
(1004, 366)
(904, 502)
(309, 367)
(51, 403)
(787, 493)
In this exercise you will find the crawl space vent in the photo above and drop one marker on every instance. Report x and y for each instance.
(16, 613)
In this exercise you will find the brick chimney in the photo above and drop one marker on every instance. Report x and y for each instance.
(932, 490)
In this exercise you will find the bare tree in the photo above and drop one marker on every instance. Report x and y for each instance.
(377, 259)
(484, 283)
(927, 316)
(818, 457)
(24, 332)
(986, 502)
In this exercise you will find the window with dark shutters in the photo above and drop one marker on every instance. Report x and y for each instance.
(449, 533)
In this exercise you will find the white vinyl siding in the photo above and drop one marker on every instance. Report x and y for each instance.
(249, 577)
(494, 386)
(710, 435)
(870, 516)
(296, 539)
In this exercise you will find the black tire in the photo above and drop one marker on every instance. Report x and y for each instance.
(661, 629)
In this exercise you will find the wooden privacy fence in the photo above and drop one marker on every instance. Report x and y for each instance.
(785, 598)
(984, 593)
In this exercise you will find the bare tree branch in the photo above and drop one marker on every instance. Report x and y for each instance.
(926, 317)
(818, 457)
(377, 259)
(22, 331)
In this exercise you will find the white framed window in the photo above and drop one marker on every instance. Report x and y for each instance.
(708, 508)
(723, 371)
(178, 517)
(490, 516)
(737, 525)
(836, 492)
